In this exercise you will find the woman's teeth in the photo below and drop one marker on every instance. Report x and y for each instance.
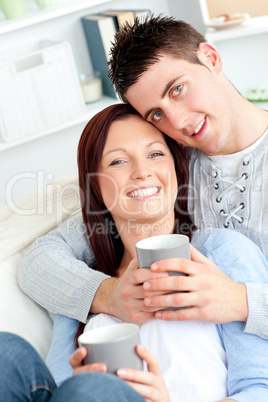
(200, 125)
(144, 192)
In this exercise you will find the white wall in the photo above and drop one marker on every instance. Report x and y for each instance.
(245, 61)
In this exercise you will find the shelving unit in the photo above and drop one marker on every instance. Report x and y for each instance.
(40, 16)
(253, 26)
(92, 109)
(35, 18)
(54, 150)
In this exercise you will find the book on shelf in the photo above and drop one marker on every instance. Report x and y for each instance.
(99, 32)
(121, 16)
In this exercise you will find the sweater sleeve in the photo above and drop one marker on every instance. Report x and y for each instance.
(56, 274)
(246, 354)
(257, 322)
(62, 346)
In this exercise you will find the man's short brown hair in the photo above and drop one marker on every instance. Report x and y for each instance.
(140, 45)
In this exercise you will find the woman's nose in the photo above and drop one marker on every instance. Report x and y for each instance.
(141, 170)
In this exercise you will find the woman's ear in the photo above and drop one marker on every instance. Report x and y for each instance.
(209, 57)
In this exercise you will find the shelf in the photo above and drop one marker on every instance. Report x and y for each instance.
(252, 26)
(37, 16)
(92, 108)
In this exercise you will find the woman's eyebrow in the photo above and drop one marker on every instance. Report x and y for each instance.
(125, 151)
(155, 142)
(115, 150)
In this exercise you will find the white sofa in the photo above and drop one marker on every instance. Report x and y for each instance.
(18, 313)
(20, 224)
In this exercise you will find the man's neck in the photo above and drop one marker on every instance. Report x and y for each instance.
(252, 124)
(247, 124)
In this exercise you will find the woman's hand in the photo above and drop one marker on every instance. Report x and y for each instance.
(123, 297)
(211, 295)
(76, 361)
(150, 385)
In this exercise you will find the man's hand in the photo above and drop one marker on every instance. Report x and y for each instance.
(123, 297)
(211, 295)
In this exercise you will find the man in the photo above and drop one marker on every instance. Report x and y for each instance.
(167, 71)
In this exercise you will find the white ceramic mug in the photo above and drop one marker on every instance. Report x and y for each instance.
(161, 247)
(114, 345)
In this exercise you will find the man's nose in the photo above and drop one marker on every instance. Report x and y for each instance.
(177, 117)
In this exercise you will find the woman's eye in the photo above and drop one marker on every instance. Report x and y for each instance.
(117, 162)
(157, 115)
(177, 89)
(156, 154)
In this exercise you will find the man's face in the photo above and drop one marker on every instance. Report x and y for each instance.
(186, 101)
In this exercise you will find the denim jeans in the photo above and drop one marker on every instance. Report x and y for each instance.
(25, 377)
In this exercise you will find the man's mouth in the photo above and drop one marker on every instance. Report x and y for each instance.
(200, 125)
(144, 192)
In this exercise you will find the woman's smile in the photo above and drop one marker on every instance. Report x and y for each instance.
(144, 192)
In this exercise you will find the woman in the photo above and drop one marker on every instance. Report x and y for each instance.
(133, 183)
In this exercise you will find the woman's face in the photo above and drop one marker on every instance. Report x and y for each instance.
(137, 176)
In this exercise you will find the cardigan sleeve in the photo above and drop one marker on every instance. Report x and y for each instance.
(56, 272)
(257, 322)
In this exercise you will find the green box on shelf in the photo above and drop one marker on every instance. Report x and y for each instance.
(47, 3)
(12, 8)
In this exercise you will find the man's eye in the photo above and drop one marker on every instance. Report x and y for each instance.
(158, 114)
(177, 89)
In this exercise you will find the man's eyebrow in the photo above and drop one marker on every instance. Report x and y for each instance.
(166, 89)
(148, 113)
(169, 85)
